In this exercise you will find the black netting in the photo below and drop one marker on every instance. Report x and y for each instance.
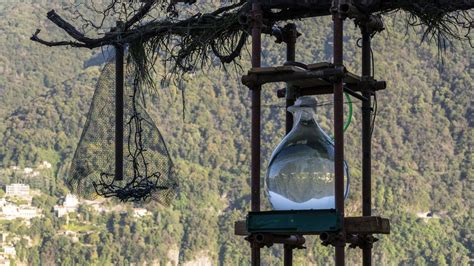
(147, 166)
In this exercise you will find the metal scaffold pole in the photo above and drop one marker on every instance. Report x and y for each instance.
(256, 17)
(290, 39)
(366, 139)
(339, 132)
(290, 57)
(119, 74)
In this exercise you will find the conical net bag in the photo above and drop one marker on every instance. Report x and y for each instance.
(147, 166)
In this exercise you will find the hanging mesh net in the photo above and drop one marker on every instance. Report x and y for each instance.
(147, 166)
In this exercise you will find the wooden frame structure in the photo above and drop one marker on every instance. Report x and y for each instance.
(321, 78)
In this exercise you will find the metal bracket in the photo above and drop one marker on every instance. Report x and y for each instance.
(341, 7)
(361, 241)
(336, 239)
(354, 94)
(373, 23)
(286, 34)
(268, 239)
(354, 240)
(368, 84)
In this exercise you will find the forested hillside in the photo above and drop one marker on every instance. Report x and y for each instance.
(423, 149)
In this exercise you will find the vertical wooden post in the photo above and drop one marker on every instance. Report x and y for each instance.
(119, 75)
(290, 40)
(366, 139)
(338, 131)
(290, 36)
(288, 255)
(255, 132)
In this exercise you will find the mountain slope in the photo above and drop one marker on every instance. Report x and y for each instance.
(422, 154)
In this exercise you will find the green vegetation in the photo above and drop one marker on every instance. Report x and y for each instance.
(423, 160)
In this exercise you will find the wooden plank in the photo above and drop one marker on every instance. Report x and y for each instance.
(306, 83)
(367, 225)
(351, 78)
(319, 65)
(274, 70)
(298, 76)
(240, 228)
(296, 4)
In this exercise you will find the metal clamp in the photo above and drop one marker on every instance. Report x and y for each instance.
(286, 34)
(268, 239)
(361, 241)
(371, 85)
(373, 23)
(336, 239)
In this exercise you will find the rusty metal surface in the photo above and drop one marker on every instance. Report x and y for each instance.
(290, 34)
(353, 225)
(287, 255)
(291, 9)
(338, 131)
(366, 140)
(268, 239)
(119, 106)
(367, 225)
(298, 77)
(256, 17)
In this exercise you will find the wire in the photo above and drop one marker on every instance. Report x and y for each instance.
(348, 101)
(372, 61)
(374, 108)
(283, 106)
(349, 116)
(375, 104)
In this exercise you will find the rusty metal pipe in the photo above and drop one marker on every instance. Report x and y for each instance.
(290, 57)
(255, 131)
(366, 139)
(119, 75)
(335, 72)
(355, 94)
(293, 240)
(290, 100)
(338, 130)
(288, 255)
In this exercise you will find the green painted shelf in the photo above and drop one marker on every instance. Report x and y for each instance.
(294, 221)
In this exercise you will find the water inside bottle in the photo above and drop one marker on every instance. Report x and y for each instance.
(301, 171)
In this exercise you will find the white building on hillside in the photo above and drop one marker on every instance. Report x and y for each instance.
(9, 251)
(4, 261)
(11, 212)
(71, 201)
(27, 170)
(140, 212)
(45, 165)
(70, 204)
(19, 190)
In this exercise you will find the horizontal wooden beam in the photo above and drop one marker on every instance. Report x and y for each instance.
(367, 225)
(240, 228)
(352, 225)
(297, 76)
(291, 9)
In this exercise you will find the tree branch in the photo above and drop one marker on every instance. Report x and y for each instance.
(35, 38)
(67, 27)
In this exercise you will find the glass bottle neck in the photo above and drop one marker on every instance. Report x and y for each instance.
(303, 114)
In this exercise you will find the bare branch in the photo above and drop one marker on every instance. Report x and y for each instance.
(35, 38)
(67, 27)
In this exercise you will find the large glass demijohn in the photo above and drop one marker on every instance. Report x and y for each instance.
(300, 175)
